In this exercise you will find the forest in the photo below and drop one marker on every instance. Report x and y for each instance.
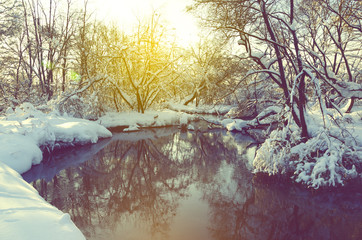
(296, 65)
(114, 130)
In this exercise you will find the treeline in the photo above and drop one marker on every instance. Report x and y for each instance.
(57, 52)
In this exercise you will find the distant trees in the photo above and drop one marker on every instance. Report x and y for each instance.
(37, 46)
(212, 74)
(135, 69)
(49, 33)
(10, 22)
(51, 49)
(9, 11)
(142, 66)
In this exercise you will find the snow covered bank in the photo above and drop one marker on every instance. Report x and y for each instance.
(266, 117)
(133, 121)
(25, 215)
(23, 131)
(192, 109)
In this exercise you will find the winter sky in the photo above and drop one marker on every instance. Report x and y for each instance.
(126, 12)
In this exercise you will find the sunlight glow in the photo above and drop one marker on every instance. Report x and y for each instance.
(126, 12)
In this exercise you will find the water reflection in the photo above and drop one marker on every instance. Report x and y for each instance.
(172, 185)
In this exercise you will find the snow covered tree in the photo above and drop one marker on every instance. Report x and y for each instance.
(333, 45)
(148, 62)
(36, 48)
(138, 68)
(304, 54)
(270, 41)
(49, 33)
(10, 24)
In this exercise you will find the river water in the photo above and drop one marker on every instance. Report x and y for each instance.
(164, 184)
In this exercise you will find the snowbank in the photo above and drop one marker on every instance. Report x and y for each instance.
(23, 131)
(25, 215)
(203, 109)
(19, 152)
(267, 116)
(134, 121)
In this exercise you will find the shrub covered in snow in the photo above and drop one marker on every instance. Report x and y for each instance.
(274, 154)
(323, 161)
(87, 107)
(326, 159)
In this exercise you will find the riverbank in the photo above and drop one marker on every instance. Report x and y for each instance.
(23, 213)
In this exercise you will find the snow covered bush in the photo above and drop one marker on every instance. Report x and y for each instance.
(87, 107)
(274, 154)
(323, 160)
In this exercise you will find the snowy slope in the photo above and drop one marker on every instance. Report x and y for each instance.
(25, 215)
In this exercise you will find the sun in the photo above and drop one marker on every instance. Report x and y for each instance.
(127, 12)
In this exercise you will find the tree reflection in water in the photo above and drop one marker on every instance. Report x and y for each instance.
(140, 184)
(136, 181)
(270, 208)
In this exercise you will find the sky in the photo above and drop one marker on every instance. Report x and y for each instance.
(126, 12)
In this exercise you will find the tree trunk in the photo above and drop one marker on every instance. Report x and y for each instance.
(351, 105)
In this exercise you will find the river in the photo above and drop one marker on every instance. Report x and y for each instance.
(163, 184)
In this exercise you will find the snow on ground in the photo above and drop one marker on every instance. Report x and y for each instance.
(25, 215)
(202, 109)
(23, 131)
(266, 116)
(19, 152)
(135, 121)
